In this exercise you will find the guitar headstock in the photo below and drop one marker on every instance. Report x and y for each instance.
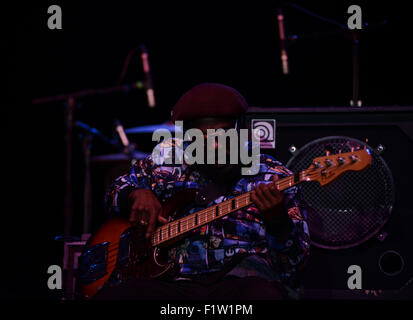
(328, 168)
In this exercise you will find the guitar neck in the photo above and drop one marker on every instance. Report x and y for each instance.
(195, 220)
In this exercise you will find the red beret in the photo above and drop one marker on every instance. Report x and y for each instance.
(209, 100)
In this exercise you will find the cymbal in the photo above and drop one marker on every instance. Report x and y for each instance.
(151, 128)
(118, 157)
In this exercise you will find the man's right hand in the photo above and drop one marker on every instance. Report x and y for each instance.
(145, 210)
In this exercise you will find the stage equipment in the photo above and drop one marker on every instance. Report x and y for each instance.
(380, 241)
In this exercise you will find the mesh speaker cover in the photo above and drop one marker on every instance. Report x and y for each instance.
(351, 209)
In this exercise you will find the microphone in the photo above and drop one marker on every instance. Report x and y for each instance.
(150, 95)
(122, 135)
(284, 57)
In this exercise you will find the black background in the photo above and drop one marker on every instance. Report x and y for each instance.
(188, 43)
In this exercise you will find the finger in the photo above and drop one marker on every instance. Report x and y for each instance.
(153, 217)
(133, 216)
(262, 195)
(162, 220)
(275, 192)
(273, 196)
(266, 190)
(261, 198)
(256, 201)
(138, 205)
(275, 178)
(136, 210)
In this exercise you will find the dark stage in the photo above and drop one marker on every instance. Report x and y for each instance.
(345, 89)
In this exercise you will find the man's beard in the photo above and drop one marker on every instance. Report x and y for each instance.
(221, 173)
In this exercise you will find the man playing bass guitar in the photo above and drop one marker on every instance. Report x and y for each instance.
(256, 252)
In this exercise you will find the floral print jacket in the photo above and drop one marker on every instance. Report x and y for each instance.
(212, 247)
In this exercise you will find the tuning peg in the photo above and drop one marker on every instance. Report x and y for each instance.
(380, 148)
(292, 149)
(329, 149)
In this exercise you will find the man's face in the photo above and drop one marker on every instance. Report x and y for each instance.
(215, 124)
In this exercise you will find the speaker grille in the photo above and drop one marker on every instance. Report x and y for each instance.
(351, 209)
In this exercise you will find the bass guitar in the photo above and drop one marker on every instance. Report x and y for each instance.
(119, 250)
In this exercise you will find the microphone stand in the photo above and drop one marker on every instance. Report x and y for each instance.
(68, 210)
(355, 101)
(70, 108)
(88, 136)
(87, 192)
(355, 37)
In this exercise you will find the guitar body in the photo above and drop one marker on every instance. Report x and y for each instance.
(119, 251)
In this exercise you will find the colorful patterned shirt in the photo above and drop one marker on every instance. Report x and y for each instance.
(211, 247)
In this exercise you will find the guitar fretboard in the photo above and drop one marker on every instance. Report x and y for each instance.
(195, 220)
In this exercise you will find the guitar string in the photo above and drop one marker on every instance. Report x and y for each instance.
(112, 256)
(285, 182)
(209, 213)
(112, 259)
(114, 248)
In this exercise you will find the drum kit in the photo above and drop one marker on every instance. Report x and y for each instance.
(130, 154)
(125, 159)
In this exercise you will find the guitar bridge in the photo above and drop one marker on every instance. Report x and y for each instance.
(93, 263)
